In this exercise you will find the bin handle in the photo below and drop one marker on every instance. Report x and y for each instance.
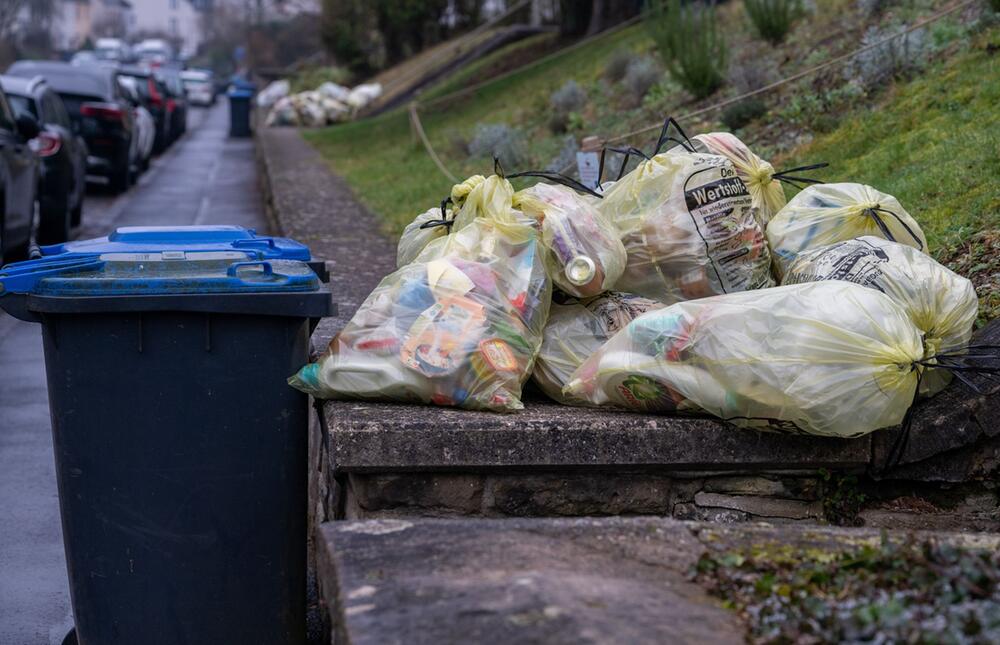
(256, 242)
(234, 268)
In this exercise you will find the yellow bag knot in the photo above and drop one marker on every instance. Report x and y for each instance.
(761, 175)
(460, 191)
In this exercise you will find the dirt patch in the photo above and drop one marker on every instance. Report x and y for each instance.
(978, 259)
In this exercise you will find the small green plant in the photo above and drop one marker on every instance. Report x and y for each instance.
(842, 501)
(772, 18)
(690, 43)
(617, 65)
(641, 75)
(565, 102)
(740, 114)
(501, 141)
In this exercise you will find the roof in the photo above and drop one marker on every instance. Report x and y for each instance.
(67, 79)
(21, 86)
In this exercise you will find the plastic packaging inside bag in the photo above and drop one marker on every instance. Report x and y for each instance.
(828, 213)
(688, 226)
(941, 303)
(578, 329)
(827, 358)
(459, 326)
(583, 253)
(416, 237)
(766, 193)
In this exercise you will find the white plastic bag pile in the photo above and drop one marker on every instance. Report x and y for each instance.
(327, 104)
(689, 286)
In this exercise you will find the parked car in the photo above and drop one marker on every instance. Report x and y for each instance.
(84, 57)
(153, 94)
(199, 86)
(154, 51)
(63, 154)
(145, 125)
(99, 110)
(112, 49)
(176, 100)
(19, 172)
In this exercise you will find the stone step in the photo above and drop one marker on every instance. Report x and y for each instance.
(551, 581)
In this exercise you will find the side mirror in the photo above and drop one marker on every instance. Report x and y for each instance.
(27, 126)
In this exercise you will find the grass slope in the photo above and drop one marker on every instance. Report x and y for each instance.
(933, 143)
(390, 171)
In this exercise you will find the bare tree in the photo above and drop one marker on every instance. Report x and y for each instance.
(10, 14)
(110, 25)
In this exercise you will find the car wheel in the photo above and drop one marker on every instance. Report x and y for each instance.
(76, 215)
(54, 221)
(121, 177)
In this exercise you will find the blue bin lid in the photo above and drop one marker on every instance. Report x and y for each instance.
(162, 259)
(159, 273)
(141, 239)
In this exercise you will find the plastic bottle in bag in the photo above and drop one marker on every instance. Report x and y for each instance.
(583, 253)
(827, 358)
(828, 213)
(941, 303)
(687, 223)
(461, 325)
(578, 329)
(766, 193)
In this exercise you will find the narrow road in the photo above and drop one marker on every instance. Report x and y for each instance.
(205, 178)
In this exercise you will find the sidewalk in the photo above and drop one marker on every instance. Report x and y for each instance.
(204, 178)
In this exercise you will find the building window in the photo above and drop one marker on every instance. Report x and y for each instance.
(173, 4)
(173, 26)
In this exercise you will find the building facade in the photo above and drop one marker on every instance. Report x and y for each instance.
(178, 20)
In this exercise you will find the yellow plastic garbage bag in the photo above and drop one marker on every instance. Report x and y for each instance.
(826, 358)
(583, 253)
(418, 234)
(828, 213)
(461, 325)
(766, 192)
(576, 330)
(941, 303)
(687, 223)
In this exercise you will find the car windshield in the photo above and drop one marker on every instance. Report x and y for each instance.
(22, 105)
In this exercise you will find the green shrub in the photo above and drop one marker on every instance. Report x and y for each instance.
(617, 65)
(739, 114)
(641, 75)
(772, 18)
(690, 43)
(501, 141)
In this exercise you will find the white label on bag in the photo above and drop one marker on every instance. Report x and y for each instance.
(721, 209)
(856, 261)
(588, 164)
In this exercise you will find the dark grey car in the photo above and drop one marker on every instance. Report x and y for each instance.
(63, 153)
(99, 110)
(19, 173)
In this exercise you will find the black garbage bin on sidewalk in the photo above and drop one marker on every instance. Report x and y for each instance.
(180, 450)
(240, 101)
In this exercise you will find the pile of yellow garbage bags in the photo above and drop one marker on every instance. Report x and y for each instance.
(687, 286)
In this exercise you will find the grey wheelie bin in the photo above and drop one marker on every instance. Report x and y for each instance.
(180, 449)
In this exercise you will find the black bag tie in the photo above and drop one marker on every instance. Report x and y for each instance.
(957, 363)
(873, 212)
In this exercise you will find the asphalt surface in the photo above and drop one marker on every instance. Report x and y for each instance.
(204, 178)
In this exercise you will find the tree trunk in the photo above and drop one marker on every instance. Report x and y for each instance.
(596, 18)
